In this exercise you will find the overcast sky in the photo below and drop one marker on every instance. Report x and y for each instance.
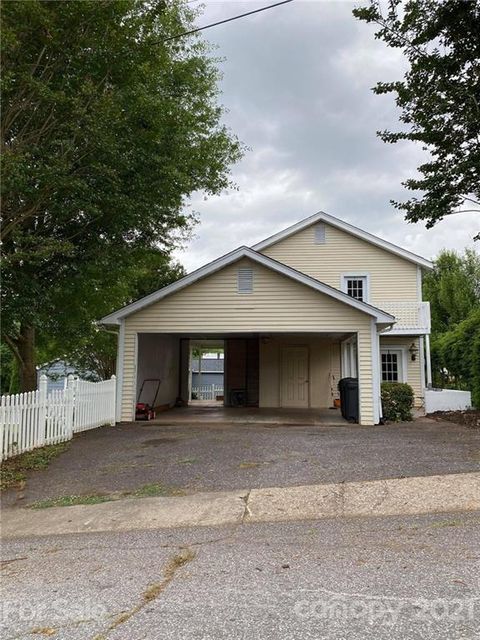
(297, 85)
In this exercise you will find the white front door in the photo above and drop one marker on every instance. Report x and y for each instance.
(294, 378)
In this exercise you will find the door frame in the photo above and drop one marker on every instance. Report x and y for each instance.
(283, 348)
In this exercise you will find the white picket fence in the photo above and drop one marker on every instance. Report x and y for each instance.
(207, 391)
(36, 419)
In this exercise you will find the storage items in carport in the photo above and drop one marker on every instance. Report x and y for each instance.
(144, 410)
(348, 388)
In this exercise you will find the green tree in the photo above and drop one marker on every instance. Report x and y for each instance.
(439, 99)
(76, 337)
(453, 289)
(106, 129)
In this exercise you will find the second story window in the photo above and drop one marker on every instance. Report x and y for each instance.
(356, 286)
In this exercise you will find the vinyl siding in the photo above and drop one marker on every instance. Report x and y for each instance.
(391, 277)
(414, 369)
(277, 304)
(212, 305)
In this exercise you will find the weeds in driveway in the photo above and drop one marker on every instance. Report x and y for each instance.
(70, 501)
(152, 490)
(146, 491)
(251, 465)
(153, 591)
(13, 471)
(187, 461)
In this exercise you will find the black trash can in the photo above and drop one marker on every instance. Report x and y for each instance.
(348, 388)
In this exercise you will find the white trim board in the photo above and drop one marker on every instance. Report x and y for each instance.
(321, 216)
(356, 274)
(402, 360)
(245, 252)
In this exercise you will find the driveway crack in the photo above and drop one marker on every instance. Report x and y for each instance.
(153, 591)
(246, 511)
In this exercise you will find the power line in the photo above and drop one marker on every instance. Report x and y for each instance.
(214, 24)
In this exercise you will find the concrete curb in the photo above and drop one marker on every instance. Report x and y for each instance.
(431, 494)
(419, 495)
(198, 510)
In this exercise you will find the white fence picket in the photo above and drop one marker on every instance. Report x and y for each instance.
(33, 419)
(207, 391)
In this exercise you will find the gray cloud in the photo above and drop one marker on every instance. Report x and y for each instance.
(297, 85)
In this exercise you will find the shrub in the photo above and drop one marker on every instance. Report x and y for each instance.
(397, 401)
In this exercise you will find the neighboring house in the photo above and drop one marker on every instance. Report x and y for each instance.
(297, 312)
(56, 372)
(211, 373)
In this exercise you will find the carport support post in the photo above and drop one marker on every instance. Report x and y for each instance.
(428, 361)
(376, 388)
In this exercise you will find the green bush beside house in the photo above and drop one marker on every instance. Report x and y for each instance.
(397, 401)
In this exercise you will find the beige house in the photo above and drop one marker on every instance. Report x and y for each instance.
(295, 313)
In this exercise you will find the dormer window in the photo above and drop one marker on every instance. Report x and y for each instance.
(356, 286)
(245, 280)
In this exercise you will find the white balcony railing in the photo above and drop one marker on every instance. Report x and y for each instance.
(412, 317)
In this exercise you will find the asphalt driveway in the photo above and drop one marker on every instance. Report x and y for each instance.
(213, 457)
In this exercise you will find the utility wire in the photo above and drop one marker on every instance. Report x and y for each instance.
(214, 24)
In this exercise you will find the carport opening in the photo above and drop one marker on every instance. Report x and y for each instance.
(207, 373)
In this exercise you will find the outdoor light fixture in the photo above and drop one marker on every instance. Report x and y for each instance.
(413, 351)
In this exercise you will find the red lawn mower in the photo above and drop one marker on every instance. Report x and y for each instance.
(143, 410)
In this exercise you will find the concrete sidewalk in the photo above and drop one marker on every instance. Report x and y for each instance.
(417, 495)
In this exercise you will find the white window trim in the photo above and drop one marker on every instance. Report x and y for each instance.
(356, 274)
(402, 358)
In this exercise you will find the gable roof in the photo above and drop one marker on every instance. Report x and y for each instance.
(245, 252)
(321, 216)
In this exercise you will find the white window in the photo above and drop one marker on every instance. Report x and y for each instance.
(393, 365)
(356, 286)
(245, 280)
(320, 233)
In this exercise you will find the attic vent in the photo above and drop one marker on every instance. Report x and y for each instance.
(320, 233)
(245, 280)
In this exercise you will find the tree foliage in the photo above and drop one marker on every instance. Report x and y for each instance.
(453, 289)
(106, 130)
(439, 99)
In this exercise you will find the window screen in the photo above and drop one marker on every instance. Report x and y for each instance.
(390, 372)
(245, 280)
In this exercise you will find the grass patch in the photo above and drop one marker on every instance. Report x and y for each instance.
(70, 501)
(251, 465)
(13, 472)
(152, 490)
(187, 461)
(146, 491)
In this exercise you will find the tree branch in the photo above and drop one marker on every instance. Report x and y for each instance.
(13, 348)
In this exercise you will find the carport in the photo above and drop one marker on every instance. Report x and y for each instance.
(266, 370)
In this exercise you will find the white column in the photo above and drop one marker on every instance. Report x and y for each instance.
(428, 361)
(119, 383)
(376, 373)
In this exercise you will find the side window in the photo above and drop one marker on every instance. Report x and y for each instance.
(392, 365)
(356, 287)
